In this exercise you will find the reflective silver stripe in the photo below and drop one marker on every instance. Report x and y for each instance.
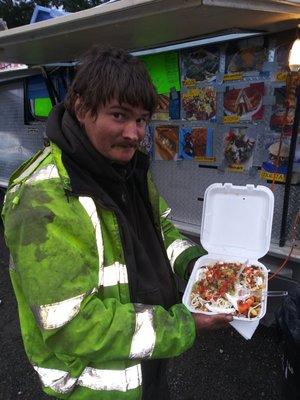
(59, 381)
(176, 248)
(114, 274)
(48, 172)
(96, 379)
(90, 207)
(45, 173)
(120, 380)
(52, 316)
(165, 213)
(143, 340)
(34, 165)
(12, 266)
(12, 190)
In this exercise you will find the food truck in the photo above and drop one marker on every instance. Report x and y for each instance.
(228, 104)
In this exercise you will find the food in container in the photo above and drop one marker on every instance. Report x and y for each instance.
(229, 287)
(229, 278)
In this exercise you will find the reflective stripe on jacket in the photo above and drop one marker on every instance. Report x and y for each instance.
(82, 334)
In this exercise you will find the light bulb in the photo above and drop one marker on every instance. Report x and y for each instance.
(294, 56)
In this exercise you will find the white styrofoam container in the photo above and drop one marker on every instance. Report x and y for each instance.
(236, 226)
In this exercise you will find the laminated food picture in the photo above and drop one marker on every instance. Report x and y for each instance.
(195, 142)
(283, 46)
(166, 138)
(199, 64)
(281, 116)
(246, 55)
(239, 145)
(199, 104)
(276, 154)
(245, 103)
(162, 109)
(146, 145)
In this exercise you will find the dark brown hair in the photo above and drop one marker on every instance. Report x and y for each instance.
(110, 73)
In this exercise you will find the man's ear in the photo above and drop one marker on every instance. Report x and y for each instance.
(79, 111)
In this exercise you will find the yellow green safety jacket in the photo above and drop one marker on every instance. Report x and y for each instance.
(81, 332)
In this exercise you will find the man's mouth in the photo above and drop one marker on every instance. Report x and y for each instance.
(126, 145)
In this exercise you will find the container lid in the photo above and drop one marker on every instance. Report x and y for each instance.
(237, 220)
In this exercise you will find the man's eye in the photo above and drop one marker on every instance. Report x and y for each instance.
(142, 121)
(119, 116)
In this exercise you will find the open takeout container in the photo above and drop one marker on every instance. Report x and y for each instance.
(236, 226)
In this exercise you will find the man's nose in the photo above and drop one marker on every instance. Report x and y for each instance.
(131, 130)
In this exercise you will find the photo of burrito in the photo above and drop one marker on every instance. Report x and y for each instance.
(166, 139)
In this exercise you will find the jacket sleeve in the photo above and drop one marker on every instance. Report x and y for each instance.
(56, 267)
(180, 250)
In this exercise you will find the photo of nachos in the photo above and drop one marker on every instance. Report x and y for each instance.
(199, 103)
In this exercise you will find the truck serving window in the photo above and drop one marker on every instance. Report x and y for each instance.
(41, 93)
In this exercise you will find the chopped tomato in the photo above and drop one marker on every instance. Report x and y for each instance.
(243, 306)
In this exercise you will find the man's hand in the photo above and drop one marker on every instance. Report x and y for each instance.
(209, 322)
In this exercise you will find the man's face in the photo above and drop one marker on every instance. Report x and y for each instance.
(117, 130)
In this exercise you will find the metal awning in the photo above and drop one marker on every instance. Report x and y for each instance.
(11, 75)
(141, 24)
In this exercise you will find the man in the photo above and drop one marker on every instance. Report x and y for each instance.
(93, 255)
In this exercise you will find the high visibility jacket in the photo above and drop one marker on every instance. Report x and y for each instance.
(81, 332)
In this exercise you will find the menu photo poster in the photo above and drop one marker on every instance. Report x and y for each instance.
(199, 64)
(245, 56)
(238, 149)
(166, 140)
(168, 106)
(244, 104)
(199, 104)
(146, 145)
(276, 156)
(281, 117)
(162, 110)
(283, 44)
(196, 143)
